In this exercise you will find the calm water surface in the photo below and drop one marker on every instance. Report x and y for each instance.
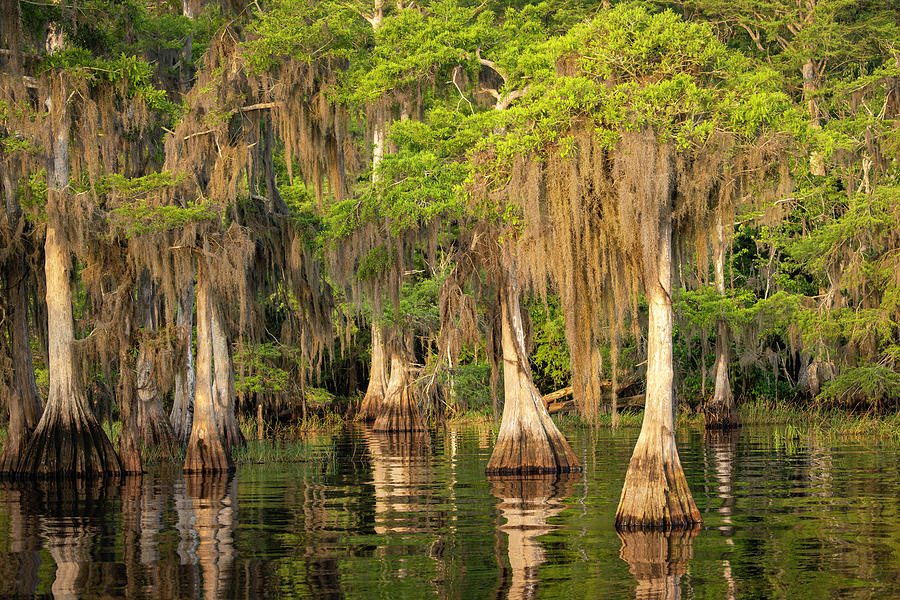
(415, 517)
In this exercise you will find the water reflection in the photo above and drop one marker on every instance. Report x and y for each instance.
(657, 559)
(19, 571)
(527, 503)
(722, 446)
(214, 508)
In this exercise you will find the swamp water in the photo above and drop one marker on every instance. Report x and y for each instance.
(414, 517)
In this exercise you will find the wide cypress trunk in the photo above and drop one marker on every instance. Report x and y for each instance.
(656, 493)
(206, 451)
(721, 412)
(399, 412)
(182, 413)
(529, 441)
(224, 384)
(68, 440)
(372, 404)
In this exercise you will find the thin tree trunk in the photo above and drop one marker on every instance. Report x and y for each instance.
(721, 412)
(206, 451)
(656, 493)
(24, 404)
(182, 413)
(68, 439)
(224, 384)
(399, 410)
(529, 441)
(372, 404)
(154, 430)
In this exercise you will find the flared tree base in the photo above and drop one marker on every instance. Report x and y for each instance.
(65, 446)
(721, 415)
(156, 432)
(656, 493)
(370, 407)
(399, 412)
(532, 450)
(232, 436)
(207, 454)
(11, 457)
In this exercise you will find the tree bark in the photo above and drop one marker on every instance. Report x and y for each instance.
(721, 412)
(182, 413)
(153, 428)
(206, 451)
(24, 404)
(529, 441)
(68, 439)
(224, 385)
(656, 493)
(399, 410)
(372, 404)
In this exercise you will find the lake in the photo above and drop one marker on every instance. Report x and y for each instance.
(786, 515)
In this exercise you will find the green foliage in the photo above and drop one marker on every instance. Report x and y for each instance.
(871, 385)
(550, 356)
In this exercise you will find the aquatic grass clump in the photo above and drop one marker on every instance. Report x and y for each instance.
(831, 422)
(266, 451)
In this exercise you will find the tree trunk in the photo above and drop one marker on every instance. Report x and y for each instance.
(400, 411)
(182, 413)
(24, 404)
(68, 439)
(154, 430)
(656, 493)
(373, 403)
(205, 450)
(529, 441)
(721, 412)
(224, 385)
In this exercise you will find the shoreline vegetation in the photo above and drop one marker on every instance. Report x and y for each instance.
(298, 443)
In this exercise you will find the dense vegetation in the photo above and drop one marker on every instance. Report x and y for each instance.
(407, 211)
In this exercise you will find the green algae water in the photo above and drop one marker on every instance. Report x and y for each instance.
(369, 516)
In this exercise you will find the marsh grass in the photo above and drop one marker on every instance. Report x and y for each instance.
(283, 451)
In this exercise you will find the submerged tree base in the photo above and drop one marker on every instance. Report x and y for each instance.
(207, 454)
(69, 446)
(532, 450)
(399, 411)
(656, 493)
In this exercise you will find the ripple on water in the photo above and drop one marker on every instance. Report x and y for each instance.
(372, 516)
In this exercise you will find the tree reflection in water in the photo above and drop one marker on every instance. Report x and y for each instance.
(214, 506)
(527, 502)
(19, 570)
(657, 559)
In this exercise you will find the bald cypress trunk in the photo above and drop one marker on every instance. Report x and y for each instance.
(182, 413)
(373, 402)
(529, 441)
(399, 411)
(721, 412)
(656, 493)
(24, 404)
(224, 384)
(206, 451)
(153, 427)
(68, 440)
